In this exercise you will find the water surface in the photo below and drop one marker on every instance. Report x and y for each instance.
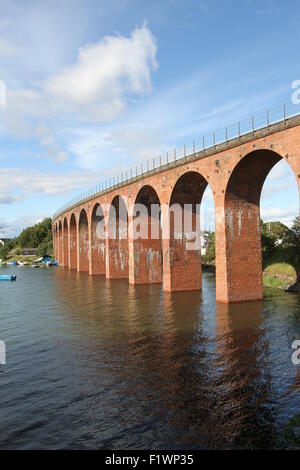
(99, 364)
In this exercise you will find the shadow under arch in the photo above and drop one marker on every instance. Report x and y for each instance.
(83, 265)
(117, 259)
(185, 272)
(98, 240)
(73, 242)
(242, 224)
(147, 237)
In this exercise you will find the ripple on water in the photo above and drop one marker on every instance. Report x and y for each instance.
(93, 363)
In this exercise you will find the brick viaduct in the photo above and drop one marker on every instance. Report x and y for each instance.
(235, 172)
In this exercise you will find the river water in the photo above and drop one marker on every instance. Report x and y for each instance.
(99, 364)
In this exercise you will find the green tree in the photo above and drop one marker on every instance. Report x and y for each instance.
(5, 249)
(294, 235)
(210, 254)
(39, 236)
(45, 248)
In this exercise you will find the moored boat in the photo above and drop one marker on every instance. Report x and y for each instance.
(8, 277)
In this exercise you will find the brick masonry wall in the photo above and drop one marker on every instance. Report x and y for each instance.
(231, 171)
(73, 243)
(83, 258)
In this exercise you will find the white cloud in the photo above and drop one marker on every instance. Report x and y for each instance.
(11, 229)
(114, 149)
(280, 171)
(17, 185)
(98, 85)
(286, 215)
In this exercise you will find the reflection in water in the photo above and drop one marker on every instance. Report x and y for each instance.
(244, 383)
(97, 363)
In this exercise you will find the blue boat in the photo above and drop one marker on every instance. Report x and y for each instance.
(8, 277)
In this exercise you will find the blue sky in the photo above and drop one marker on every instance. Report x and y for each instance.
(94, 87)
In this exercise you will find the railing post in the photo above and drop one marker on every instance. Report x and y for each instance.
(194, 147)
(268, 120)
(174, 155)
(203, 144)
(160, 160)
(154, 163)
(214, 139)
(167, 157)
(252, 122)
(284, 113)
(184, 151)
(239, 129)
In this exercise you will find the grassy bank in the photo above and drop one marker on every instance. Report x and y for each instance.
(281, 269)
(279, 275)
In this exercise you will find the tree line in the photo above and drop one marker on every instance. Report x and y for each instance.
(38, 236)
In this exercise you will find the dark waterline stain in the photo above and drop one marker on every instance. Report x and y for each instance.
(100, 364)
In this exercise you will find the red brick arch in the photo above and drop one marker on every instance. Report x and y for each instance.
(242, 223)
(60, 243)
(183, 265)
(84, 249)
(98, 242)
(222, 167)
(117, 259)
(73, 241)
(65, 242)
(55, 240)
(146, 252)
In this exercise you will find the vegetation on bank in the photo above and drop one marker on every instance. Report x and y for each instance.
(38, 236)
(280, 252)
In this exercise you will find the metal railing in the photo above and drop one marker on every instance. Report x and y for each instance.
(208, 142)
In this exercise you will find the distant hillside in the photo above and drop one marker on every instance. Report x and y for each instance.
(38, 236)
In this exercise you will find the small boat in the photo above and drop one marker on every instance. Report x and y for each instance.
(8, 277)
